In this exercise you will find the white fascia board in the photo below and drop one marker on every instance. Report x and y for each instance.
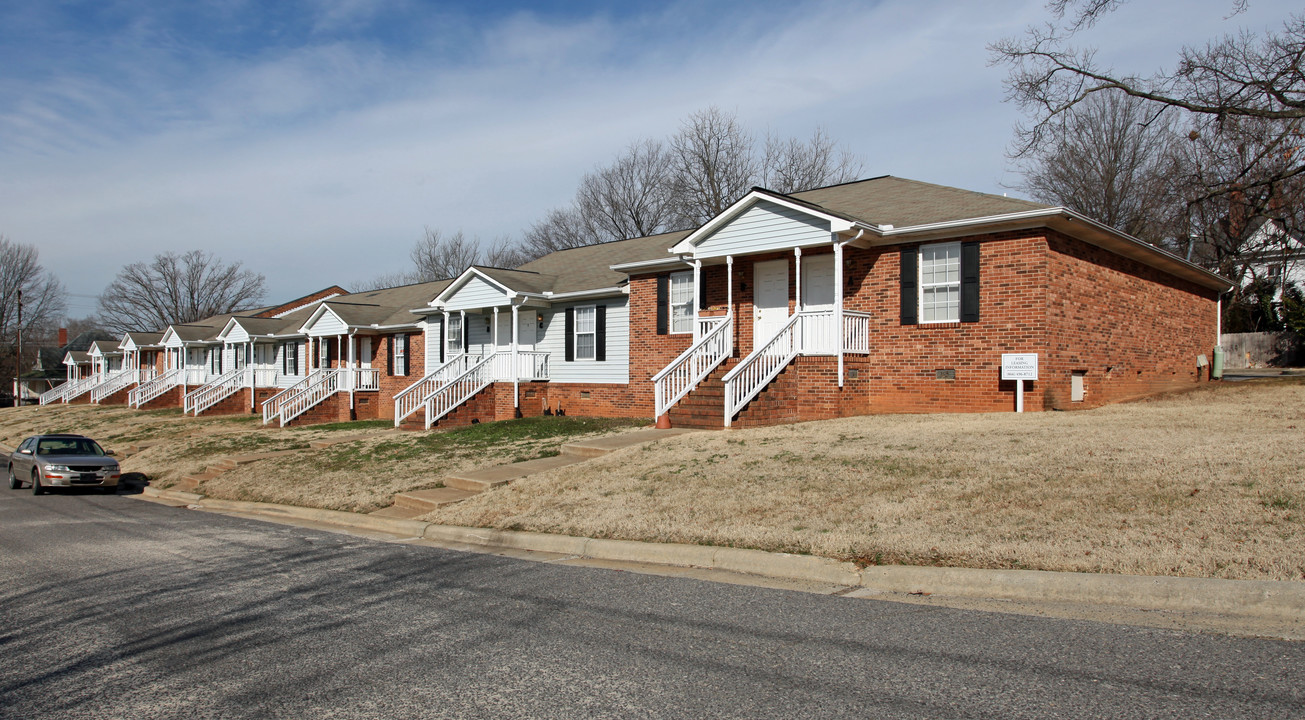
(226, 329)
(317, 315)
(689, 243)
(651, 265)
(376, 326)
(126, 342)
(582, 294)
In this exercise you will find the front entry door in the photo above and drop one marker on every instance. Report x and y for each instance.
(770, 299)
(365, 352)
(819, 334)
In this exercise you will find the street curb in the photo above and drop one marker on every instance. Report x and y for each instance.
(1281, 601)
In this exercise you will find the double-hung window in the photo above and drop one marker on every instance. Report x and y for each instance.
(940, 282)
(585, 332)
(455, 335)
(681, 300)
(400, 354)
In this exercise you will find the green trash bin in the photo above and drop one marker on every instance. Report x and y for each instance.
(1216, 368)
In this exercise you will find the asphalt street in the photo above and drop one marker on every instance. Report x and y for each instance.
(115, 608)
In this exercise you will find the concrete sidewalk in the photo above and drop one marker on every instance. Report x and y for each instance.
(1238, 607)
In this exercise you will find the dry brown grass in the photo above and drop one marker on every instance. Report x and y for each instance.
(1205, 484)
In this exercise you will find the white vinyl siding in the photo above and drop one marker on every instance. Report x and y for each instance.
(940, 282)
(328, 324)
(681, 299)
(236, 334)
(434, 335)
(765, 226)
(476, 294)
(614, 370)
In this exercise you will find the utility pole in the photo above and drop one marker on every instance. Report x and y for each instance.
(18, 353)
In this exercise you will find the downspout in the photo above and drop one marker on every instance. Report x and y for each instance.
(516, 363)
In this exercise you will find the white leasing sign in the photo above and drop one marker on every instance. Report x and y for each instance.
(1019, 366)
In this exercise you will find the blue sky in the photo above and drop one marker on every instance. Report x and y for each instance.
(314, 139)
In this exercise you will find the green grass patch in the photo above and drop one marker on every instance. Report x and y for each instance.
(350, 425)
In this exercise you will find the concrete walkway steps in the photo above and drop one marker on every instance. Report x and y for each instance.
(464, 484)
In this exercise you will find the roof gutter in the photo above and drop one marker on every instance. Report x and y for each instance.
(651, 265)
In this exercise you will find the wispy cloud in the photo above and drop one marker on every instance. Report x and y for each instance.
(314, 140)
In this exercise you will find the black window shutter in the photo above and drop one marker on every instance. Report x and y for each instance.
(910, 286)
(600, 332)
(407, 354)
(663, 303)
(702, 289)
(440, 335)
(570, 334)
(466, 336)
(969, 282)
(389, 355)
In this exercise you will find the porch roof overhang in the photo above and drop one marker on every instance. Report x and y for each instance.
(678, 262)
(76, 357)
(341, 324)
(493, 288)
(241, 330)
(838, 222)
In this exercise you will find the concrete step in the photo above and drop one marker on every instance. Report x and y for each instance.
(424, 501)
(492, 477)
(398, 513)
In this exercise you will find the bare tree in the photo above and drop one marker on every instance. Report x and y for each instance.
(790, 165)
(175, 288)
(1112, 161)
(438, 256)
(655, 187)
(501, 252)
(712, 165)
(43, 301)
(1238, 76)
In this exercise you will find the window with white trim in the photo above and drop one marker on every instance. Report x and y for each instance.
(940, 282)
(455, 335)
(681, 299)
(400, 357)
(585, 332)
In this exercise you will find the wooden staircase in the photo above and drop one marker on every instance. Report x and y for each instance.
(704, 406)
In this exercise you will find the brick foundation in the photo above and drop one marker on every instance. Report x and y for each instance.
(169, 399)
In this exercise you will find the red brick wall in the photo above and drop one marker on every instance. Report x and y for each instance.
(169, 399)
(331, 410)
(1133, 330)
(236, 404)
(392, 385)
(118, 398)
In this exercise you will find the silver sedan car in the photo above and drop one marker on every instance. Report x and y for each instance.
(51, 461)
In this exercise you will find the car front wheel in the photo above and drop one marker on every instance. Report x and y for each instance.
(14, 484)
(36, 485)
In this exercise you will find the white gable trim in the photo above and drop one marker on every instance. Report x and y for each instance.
(690, 243)
(466, 277)
(316, 318)
(127, 343)
(228, 328)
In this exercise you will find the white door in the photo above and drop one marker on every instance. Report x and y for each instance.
(818, 331)
(365, 351)
(770, 299)
(527, 330)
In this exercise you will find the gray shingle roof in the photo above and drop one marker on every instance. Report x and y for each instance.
(900, 202)
(386, 307)
(589, 267)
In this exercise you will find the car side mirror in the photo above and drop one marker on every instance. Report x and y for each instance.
(110, 452)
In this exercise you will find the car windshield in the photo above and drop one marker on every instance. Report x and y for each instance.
(68, 446)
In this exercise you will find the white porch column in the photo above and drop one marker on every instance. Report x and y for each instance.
(797, 279)
(351, 374)
(838, 305)
(697, 293)
(444, 336)
(493, 333)
(516, 360)
(729, 285)
(465, 340)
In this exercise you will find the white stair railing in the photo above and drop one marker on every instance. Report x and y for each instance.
(272, 406)
(151, 389)
(215, 391)
(116, 382)
(529, 365)
(755, 371)
(319, 386)
(683, 374)
(410, 399)
(81, 387)
(478, 376)
(856, 332)
(56, 393)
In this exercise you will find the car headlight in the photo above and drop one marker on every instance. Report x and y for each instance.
(58, 468)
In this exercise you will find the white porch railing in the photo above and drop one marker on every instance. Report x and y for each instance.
(264, 377)
(856, 332)
(55, 394)
(116, 382)
(682, 375)
(530, 365)
(363, 379)
(411, 398)
(196, 376)
(151, 389)
(273, 405)
(81, 387)
(215, 391)
(318, 386)
(748, 378)
(478, 376)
